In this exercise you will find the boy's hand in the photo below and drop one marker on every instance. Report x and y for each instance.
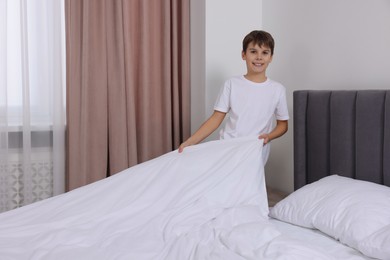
(265, 137)
(182, 146)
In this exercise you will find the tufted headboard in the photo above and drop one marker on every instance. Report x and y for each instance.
(341, 132)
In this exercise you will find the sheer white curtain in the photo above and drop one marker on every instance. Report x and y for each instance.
(32, 101)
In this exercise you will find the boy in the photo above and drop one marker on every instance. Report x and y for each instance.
(252, 100)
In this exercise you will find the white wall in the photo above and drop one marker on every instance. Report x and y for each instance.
(198, 62)
(320, 44)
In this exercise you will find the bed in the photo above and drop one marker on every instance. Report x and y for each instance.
(339, 137)
(210, 202)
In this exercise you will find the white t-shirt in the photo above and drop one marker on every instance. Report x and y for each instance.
(252, 107)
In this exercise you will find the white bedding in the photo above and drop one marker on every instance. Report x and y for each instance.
(318, 240)
(207, 203)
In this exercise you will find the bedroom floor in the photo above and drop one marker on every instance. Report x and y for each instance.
(274, 196)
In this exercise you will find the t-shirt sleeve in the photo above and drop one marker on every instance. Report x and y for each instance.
(281, 111)
(222, 103)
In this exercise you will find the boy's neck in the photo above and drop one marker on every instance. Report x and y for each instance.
(256, 78)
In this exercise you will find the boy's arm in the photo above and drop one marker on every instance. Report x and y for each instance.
(279, 130)
(205, 129)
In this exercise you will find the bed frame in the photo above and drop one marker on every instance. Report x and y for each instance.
(341, 132)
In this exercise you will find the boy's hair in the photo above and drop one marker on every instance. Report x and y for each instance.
(261, 38)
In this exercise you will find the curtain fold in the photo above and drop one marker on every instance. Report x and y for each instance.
(32, 101)
(127, 84)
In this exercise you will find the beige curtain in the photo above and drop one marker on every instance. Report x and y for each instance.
(127, 84)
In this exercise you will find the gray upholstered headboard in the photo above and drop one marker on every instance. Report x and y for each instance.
(341, 132)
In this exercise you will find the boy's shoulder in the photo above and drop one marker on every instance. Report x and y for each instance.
(236, 78)
(275, 83)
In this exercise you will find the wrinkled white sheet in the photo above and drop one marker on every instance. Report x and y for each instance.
(318, 240)
(207, 203)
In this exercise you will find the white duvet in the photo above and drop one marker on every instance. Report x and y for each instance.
(208, 202)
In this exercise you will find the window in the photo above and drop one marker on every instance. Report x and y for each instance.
(29, 54)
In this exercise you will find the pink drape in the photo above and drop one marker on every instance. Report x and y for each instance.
(127, 84)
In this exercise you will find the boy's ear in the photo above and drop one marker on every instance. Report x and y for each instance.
(243, 56)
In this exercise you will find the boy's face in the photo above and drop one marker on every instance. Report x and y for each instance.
(257, 58)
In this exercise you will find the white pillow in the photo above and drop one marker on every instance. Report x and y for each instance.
(346, 209)
(377, 244)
